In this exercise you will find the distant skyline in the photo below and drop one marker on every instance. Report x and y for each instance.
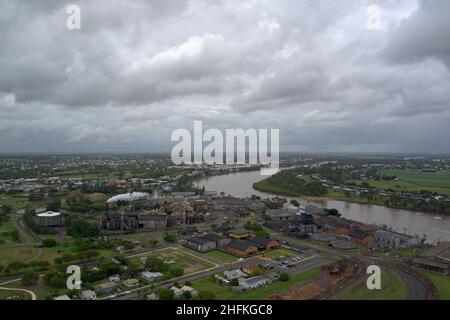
(324, 72)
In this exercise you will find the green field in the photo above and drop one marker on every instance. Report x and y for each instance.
(22, 254)
(143, 237)
(441, 282)
(5, 230)
(223, 292)
(352, 197)
(392, 288)
(190, 263)
(411, 180)
(221, 256)
(14, 295)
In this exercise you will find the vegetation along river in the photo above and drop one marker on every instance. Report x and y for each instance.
(403, 221)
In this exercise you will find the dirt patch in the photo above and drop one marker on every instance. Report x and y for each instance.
(326, 279)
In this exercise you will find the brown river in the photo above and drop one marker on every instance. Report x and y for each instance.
(433, 228)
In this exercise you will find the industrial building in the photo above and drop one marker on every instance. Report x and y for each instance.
(49, 219)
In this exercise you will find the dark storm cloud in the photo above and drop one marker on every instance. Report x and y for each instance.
(138, 69)
(424, 35)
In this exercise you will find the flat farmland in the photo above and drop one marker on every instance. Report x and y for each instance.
(414, 181)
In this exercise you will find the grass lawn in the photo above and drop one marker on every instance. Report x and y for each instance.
(414, 181)
(143, 237)
(278, 254)
(441, 282)
(424, 179)
(22, 254)
(339, 195)
(188, 262)
(14, 295)
(223, 292)
(5, 229)
(407, 252)
(49, 254)
(221, 256)
(394, 289)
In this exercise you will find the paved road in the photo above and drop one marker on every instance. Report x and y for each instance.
(31, 293)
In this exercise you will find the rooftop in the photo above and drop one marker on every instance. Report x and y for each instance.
(49, 214)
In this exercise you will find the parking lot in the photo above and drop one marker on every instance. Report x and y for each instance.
(295, 259)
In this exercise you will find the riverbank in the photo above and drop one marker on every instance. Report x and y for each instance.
(264, 186)
(331, 194)
(404, 221)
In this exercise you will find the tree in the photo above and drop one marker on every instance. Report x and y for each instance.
(153, 242)
(170, 237)
(48, 275)
(187, 295)
(176, 272)
(109, 268)
(156, 265)
(234, 282)
(284, 276)
(132, 268)
(165, 294)
(78, 228)
(334, 212)
(54, 205)
(29, 276)
(15, 235)
(48, 243)
(16, 265)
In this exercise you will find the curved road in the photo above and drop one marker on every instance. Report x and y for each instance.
(31, 293)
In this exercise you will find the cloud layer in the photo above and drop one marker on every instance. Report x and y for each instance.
(139, 69)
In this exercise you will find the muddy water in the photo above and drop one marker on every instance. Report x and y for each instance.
(408, 222)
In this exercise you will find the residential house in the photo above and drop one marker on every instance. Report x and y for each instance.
(88, 295)
(234, 274)
(253, 282)
(240, 234)
(177, 292)
(221, 242)
(107, 287)
(130, 283)
(150, 276)
(201, 244)
(229, 203)
(114, 278)
(265, 244)
(189, 289)
(187, 231)
(241, 248)
(279, 215)
(251, 269)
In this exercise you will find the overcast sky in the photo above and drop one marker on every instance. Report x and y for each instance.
(328, 74)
